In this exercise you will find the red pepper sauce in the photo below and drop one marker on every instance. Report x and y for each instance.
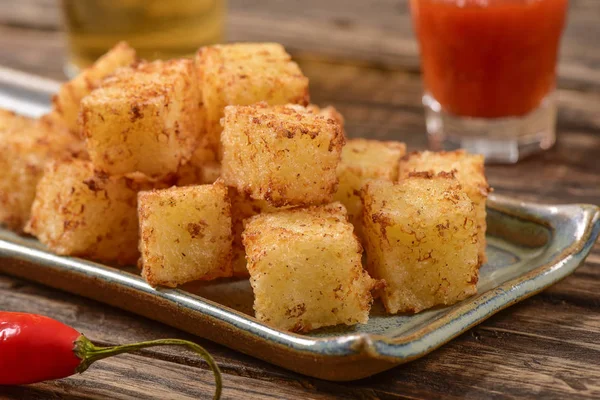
(489, 58)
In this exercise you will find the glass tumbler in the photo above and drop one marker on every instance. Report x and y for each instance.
(489, 72)
(157, 29)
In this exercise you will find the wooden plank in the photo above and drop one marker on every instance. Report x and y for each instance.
(139, 377)
(489, 363)
(581, 288)
(106, 325)
(32, 14)
(536, 349)
(540, 344)
(38, 52)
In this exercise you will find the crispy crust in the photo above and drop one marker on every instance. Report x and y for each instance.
(362, 160)
(422, 238)
(143, 119)
(185, 234)
(468, 168)
(281, 154)
(328, 112)
(289, 251)
(470, 165)
(66, 102)
(79, 212)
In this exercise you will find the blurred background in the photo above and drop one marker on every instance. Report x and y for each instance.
(375, 31)
(361, 56)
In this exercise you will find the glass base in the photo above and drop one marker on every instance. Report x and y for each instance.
(500, 140)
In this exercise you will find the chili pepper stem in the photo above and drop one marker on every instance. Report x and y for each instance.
(90, 353)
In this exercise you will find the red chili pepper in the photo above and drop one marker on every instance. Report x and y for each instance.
(34, 348)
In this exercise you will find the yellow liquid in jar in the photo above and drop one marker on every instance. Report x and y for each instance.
(157, 29)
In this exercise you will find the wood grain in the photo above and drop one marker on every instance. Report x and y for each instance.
(546, 347)
(155, 379)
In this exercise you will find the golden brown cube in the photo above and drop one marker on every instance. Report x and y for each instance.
(143, 119)
(66, 101)
(244, 74)
(362, 160)
(421, 238)
(185, 234)
(78, 212)
(282, 154)
(242, 208)
(305, 268)
(469, 170)
(26, 146)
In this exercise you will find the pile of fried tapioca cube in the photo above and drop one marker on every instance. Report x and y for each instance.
(218, 167)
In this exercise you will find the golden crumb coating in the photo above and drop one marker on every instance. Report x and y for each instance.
(81, 213)
(11, 122)
(282, 154)
(362, 160)
(143, 119)
(26, 146)
(421, 238)
(206, 143)
(305, 268)
(185, 234)
(244, 74)
(470, 172)
(328, 112)
(66, 101)
(242, 208)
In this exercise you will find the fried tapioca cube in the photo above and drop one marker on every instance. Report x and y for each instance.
(66, 102)
(185, 234)
(305, 268)
(469, 170)
(143, 119)
(422, 239)
(285, 155)
(81, 213)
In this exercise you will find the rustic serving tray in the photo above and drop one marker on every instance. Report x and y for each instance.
(530, 247)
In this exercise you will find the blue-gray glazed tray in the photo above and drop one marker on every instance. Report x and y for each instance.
(530, 247)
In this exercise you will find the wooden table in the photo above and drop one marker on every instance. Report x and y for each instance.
(362, 58)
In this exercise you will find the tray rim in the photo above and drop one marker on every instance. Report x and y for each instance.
(394, 350)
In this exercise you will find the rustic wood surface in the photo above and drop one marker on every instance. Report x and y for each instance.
(360, 57)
